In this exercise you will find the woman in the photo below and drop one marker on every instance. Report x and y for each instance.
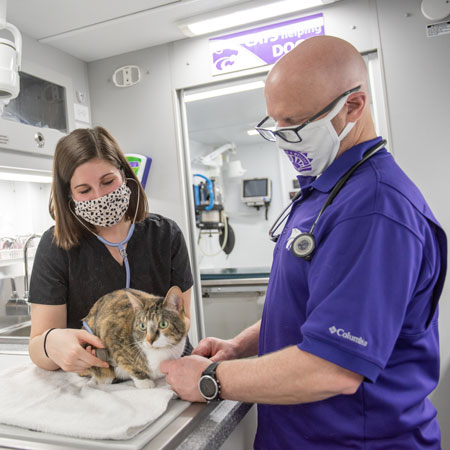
(103, 240)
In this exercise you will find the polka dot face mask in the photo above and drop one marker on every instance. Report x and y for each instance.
(105, 211)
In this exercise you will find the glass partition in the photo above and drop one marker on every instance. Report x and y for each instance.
(40, 103)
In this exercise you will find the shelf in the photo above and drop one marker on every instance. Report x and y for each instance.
(11, 262)
(10, 257)
(13, 268)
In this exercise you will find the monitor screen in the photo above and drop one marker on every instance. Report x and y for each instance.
(256, 187)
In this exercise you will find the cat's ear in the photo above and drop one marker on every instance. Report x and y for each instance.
(174, 299)
(134, 300)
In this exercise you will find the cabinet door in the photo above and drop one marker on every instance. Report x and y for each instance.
(27, 138)
(40, 115)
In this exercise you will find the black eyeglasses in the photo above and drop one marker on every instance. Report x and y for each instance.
(291, 134)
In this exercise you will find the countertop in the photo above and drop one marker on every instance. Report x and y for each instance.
(200, 426)
(234, 273)
(228, 279)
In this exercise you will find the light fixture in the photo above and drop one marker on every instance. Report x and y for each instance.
(244, 14)
(435, 9)
(10, 60)
(224, 91)
(20, 174)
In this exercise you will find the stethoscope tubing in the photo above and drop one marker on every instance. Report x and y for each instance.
(334, 192)
(121, 246)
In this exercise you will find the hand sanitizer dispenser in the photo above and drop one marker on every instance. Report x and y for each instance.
(140, 165)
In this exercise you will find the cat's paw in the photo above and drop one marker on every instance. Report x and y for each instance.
(144, 384)
(101, 380)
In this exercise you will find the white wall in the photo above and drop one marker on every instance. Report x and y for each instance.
(23, 208)
(416, 81)
(142, 120)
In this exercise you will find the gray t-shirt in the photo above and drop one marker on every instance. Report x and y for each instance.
(78, 277)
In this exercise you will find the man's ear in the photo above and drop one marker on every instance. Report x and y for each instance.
(355, 106)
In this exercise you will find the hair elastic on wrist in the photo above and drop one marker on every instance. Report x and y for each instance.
(45, 341)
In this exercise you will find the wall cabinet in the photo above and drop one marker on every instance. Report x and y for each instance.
(40, 115)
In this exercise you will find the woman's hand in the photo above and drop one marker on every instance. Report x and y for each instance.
(64, 348)
(216, 349)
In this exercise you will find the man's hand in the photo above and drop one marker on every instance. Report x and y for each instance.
(216, 349)
(183, 375)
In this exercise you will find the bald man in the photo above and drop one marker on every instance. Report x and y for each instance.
(348, 342)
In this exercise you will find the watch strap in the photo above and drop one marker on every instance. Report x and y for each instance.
(211, 370)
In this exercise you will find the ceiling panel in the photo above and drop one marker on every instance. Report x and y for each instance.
(96, 29)
(45, 18)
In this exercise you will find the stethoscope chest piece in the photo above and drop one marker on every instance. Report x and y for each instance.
(304, 245)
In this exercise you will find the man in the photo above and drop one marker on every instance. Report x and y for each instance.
(348, 342)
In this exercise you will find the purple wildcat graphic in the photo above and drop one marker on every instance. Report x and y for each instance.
(300, 161)
(224, 58)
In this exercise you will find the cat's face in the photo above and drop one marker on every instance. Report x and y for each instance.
(160, 322)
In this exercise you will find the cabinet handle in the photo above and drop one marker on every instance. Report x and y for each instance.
(39, 139)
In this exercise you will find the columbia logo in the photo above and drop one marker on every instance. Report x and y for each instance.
(347, 335)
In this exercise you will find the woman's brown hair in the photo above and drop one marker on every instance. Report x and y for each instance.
(79, 147)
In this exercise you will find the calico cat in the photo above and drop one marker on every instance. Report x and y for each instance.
(139, 330)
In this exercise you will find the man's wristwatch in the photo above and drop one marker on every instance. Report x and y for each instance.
(209, 385)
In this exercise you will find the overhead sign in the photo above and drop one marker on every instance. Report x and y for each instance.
(263, 45)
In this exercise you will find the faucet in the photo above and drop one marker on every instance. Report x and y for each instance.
(25, 262)
(14, 294)
(17, 306)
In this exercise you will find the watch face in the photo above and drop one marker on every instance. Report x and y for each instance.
(208, 387)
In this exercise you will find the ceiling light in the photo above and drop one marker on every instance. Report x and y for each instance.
(224, 91)
(247, 13)
(19, 174)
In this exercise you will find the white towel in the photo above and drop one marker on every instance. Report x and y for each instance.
(67, 404)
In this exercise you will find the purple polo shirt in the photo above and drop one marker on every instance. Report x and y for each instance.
(364, 302)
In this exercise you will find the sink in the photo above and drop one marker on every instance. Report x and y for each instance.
(20, 330)
(10, 321)
(24, 332)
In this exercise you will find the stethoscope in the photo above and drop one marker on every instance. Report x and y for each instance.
(122, 250)
(304, 244)
(120, 245)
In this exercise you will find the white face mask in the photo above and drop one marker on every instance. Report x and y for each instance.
(319, 144)
(105, 211)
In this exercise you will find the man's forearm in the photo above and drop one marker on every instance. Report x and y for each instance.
(246, 342)
(289, 376)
